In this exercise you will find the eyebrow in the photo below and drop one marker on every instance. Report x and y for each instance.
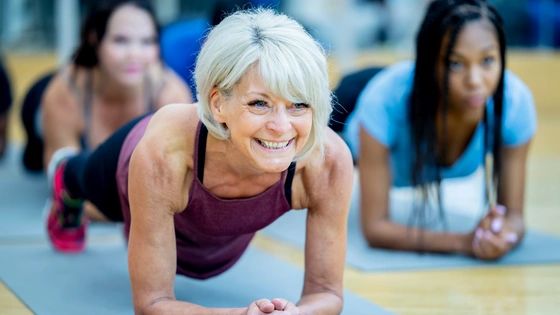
(483, 50)
(259, 93)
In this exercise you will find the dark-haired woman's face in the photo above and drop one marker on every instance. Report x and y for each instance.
(474, 69)
(129, 46)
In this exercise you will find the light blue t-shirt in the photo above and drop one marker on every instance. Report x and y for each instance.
(382, 109)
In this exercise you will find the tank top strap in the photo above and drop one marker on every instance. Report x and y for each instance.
(199, 154)
(288, 182)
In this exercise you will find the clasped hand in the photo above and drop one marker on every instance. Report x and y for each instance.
(494, 236)
(274, 306)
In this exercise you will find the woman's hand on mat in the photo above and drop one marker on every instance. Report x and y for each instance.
(501, 225)
(274, 306)
(493, 237)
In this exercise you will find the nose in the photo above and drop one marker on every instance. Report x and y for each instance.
(475, 77)
(134, 51)
(280, 120)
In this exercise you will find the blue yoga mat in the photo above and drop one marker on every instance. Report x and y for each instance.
(96, 281)
(536, 248)
(23, 197)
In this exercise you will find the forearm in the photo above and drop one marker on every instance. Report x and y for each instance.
(516, 223)
(320, 303)
(174, 307)
(387, 234)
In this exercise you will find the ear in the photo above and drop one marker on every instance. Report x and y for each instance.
(217, 105)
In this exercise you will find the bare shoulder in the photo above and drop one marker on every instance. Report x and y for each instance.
(59, 94)
(336, 159)
(325, 176)
(164, 154)
(172, 77)
(173, 89)
(173, 125)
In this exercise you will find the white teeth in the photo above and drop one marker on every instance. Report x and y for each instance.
(274, 145)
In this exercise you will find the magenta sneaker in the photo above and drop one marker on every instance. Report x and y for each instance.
(66, 225)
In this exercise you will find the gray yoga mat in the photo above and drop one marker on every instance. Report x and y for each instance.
(96, 281)
(536, 248)
(23, 197)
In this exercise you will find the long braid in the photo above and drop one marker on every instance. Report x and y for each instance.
(443, 18)
(498, 97)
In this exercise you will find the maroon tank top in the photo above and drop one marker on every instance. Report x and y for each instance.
(212, 232)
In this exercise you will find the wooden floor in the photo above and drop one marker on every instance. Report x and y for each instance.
(493, 290)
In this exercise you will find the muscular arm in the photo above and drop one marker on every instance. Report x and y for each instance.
(156, 192)
(379, 231)
(511, 189)
(328, 185)
(61, 118)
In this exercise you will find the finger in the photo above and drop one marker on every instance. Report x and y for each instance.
(291, 308)
(486, 222)
(485, 251)
(478, 234)
(500, 210)
(253, 309)
(511, 237)
(497, 224)
(496, 217)
(492, 246)
(477, 252)
(265, 305)
(279, 304)
(489, 221)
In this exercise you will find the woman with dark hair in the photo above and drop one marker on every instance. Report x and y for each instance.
(441, 117)
(116, 74)
(5, 104)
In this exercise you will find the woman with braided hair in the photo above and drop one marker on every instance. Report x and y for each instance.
(419, 123)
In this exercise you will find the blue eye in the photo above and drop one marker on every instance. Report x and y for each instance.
(259, 107)
(301, 106)
(487, 61)
(298, 108)
(258, 103)
(455, 65)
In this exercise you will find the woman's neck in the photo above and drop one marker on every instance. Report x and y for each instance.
(231, 160)
(453, 134)
(227, 173)
(112, 91)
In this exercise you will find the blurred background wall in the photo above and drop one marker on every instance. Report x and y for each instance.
(343, 26)
(39, 35)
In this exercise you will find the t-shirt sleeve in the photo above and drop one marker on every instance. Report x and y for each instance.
(520, 118)
(381, 105)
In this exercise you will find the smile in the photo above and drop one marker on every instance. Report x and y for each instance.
(274, 145)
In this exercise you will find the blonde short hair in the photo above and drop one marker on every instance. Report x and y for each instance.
(292, 64)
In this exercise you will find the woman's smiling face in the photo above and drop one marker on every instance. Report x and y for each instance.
(267, 129)
(129, 46)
